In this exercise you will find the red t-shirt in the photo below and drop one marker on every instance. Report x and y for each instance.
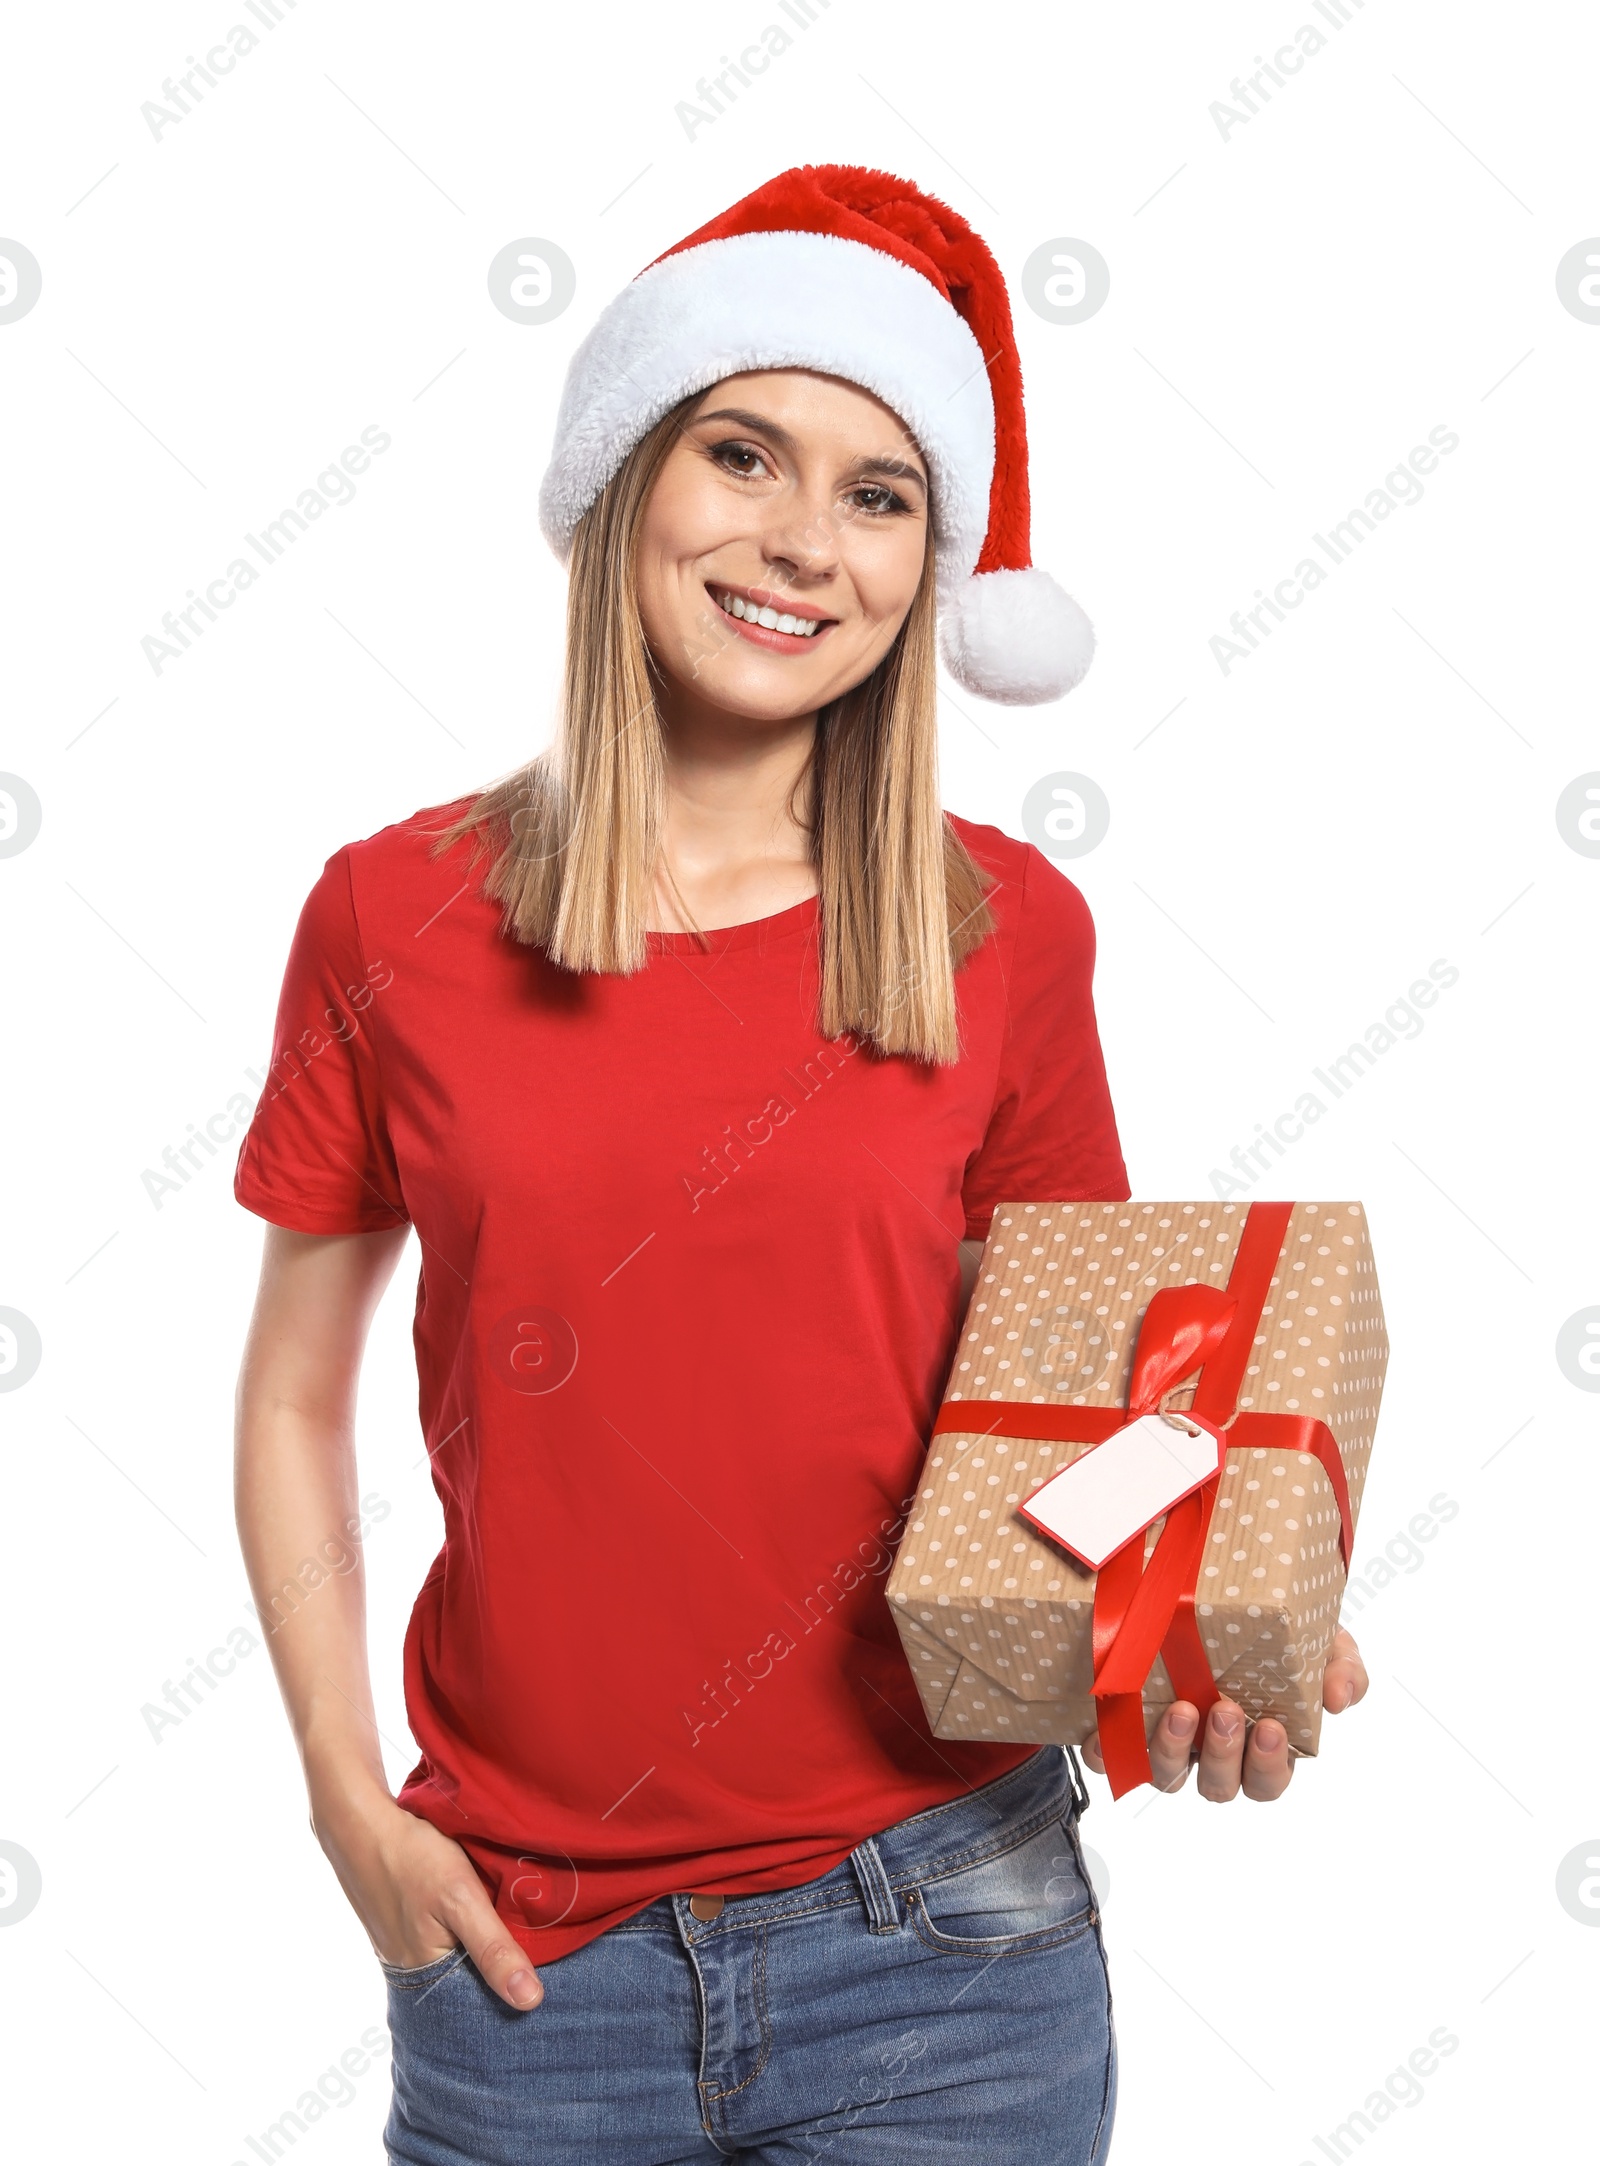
(689, 1289)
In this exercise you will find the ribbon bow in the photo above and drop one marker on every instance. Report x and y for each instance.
(1144, 1609)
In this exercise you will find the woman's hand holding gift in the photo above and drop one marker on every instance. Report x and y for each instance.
(1231, 1753)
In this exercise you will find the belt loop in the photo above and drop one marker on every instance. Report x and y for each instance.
(883, 1910)
(1080, 1789)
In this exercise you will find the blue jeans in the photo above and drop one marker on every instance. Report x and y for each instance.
(939, 1996)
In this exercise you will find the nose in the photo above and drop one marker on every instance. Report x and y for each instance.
(802, 543)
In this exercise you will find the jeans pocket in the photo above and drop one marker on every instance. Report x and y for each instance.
(408, 1979)
(1031, 1896)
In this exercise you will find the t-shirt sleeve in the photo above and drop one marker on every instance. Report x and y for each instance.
(317, 1157)
(1052, 1135)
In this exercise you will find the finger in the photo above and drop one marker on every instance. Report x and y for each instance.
(1221, 1752)
(1170, 1745)
(1344, 1679)
(504, 1967)
(1267, 1765)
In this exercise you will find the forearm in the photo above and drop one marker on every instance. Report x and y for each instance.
(295, 1494)
(299, 1529)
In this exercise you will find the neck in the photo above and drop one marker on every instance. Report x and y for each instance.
(731, 846)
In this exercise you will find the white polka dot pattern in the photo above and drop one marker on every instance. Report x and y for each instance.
(996, 1621)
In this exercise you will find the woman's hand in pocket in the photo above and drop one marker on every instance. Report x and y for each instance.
(1231, 1753)
(418, 1896)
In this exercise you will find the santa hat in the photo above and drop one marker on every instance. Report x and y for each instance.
(861, 276)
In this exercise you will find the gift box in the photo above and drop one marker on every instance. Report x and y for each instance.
(1256, 1327)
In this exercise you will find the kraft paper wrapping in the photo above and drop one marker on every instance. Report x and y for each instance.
(995, 1619)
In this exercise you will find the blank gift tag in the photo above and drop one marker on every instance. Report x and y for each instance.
(1104, 1499)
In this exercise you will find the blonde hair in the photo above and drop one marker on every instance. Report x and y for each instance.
(575, 833)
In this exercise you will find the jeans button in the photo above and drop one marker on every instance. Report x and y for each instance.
(705, 1907)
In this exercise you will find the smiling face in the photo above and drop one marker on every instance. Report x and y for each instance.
(782, 544)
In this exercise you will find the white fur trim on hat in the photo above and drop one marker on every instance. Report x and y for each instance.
(1014, 637)
(780, 300)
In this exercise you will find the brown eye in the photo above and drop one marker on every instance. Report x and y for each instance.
(878, 500)
(737, 458)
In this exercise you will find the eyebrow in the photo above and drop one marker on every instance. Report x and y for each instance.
(883, 463)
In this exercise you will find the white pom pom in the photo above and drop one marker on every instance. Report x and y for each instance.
(1014, 637)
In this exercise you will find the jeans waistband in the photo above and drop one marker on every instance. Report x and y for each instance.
(965, 1830)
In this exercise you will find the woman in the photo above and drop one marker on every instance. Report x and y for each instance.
(698, 1057)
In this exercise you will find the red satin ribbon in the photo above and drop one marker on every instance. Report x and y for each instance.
(1142, 1609)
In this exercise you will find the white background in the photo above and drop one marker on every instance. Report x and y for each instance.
(1292, 843)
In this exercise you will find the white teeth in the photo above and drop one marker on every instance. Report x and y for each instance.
(735, 605)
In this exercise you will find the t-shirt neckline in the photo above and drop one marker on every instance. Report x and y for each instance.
(753, 932)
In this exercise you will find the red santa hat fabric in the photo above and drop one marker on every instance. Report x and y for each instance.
(860, 275)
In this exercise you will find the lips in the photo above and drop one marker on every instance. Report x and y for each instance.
(765, 619)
